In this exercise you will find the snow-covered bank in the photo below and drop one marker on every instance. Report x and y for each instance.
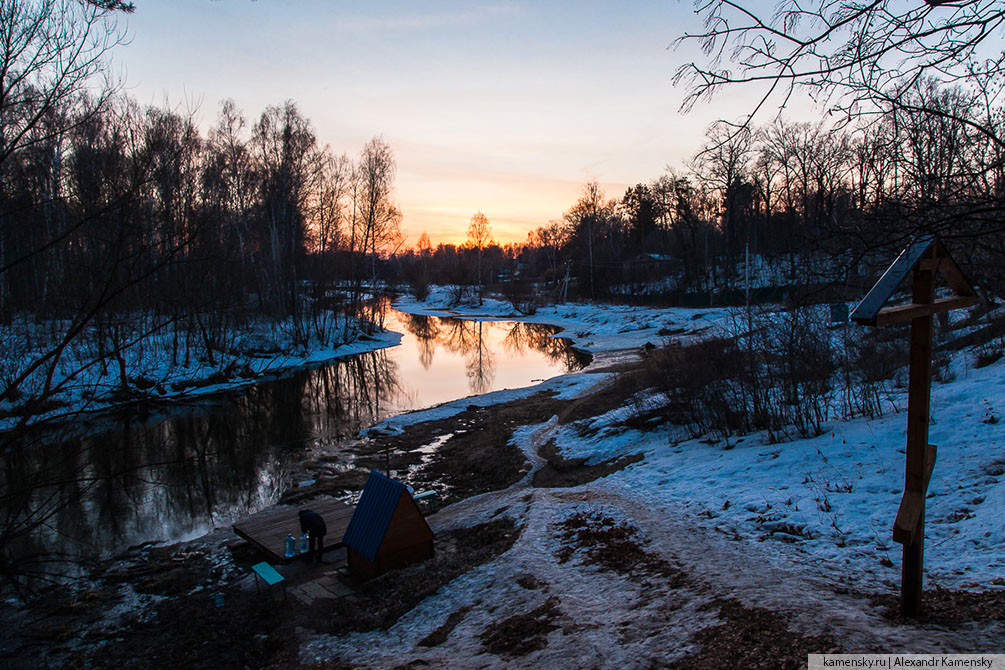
(93, 387)
(563, 386)
(805, 536)
(592, 327)
(830, 501)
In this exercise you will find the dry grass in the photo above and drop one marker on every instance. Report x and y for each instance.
(753, 638)
(614, 546)
(521, 634)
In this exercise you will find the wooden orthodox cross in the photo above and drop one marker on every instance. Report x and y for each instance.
(923, 260)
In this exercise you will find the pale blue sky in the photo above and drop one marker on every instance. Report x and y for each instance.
(504, 107)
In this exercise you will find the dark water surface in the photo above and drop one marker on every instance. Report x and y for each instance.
(203, 464)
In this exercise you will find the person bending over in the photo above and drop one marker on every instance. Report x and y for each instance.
(312, 523)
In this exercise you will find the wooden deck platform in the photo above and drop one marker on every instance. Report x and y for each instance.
(267, 530)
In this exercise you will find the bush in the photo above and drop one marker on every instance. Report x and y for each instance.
(875, 363)
(989, 352)
(700, 386)
(800, 362)
(459, 293)
(776, 374)
(420, 287)
(522, 295)
(942, 369)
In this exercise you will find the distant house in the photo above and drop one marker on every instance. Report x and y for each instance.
(386, 531)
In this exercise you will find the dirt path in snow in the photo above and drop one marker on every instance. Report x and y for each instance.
(675, 593)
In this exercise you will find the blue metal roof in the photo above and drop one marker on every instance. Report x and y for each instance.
(373, 514)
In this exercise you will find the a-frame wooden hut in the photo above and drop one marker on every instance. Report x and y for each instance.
(386, 531)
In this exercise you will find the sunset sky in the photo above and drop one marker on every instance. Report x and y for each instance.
(503, 107)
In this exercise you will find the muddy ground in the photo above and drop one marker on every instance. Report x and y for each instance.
(160, 607)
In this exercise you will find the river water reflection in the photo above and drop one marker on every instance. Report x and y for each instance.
(177, 475)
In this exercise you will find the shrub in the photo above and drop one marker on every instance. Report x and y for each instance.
(776, 373)
(522, 295)
(874, 364)
(699, 386)
(989, 352)
(419, 286)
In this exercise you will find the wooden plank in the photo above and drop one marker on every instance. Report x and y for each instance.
(906, 527)
(912, 573)
(914, 310)
(267, 529)
(931, 452)
(912, 505)
(865, 311)
(919, 388)
(951, 272)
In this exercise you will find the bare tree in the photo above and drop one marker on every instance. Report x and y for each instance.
(856, 56)
(479, 235)
(376, 218)
(549, 239)
(52, 52)
(329, 215)
(424, 246)
(587, 220)
(230, 185)
(684, 211)
(286, 149)
(880, 66)
(722, 166)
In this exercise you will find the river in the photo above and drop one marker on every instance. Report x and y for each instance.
(176, 473)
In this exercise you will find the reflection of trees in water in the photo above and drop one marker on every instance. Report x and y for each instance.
(538, 336)
(342, 398)
(70, 500)
(458, 336)
(480, 362)
(426, 330)
(470, 340)
(467, 338)
(66, 500)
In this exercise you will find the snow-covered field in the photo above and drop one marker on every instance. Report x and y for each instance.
(802, 528)
(831, 500)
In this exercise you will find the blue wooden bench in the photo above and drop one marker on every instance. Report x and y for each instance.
(269, 575)
(427, 495)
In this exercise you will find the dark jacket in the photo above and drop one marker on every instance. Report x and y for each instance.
(311, 522)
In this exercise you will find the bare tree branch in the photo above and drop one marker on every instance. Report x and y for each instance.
(851, 55)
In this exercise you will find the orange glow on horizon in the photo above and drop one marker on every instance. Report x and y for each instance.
(513, 207)
(444, 227)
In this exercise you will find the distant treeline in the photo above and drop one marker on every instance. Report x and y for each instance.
(824, 205)
(119, 223)
(128, 220)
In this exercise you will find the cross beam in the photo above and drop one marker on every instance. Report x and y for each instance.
(923, 261)
(902, 313)
(919, 467)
